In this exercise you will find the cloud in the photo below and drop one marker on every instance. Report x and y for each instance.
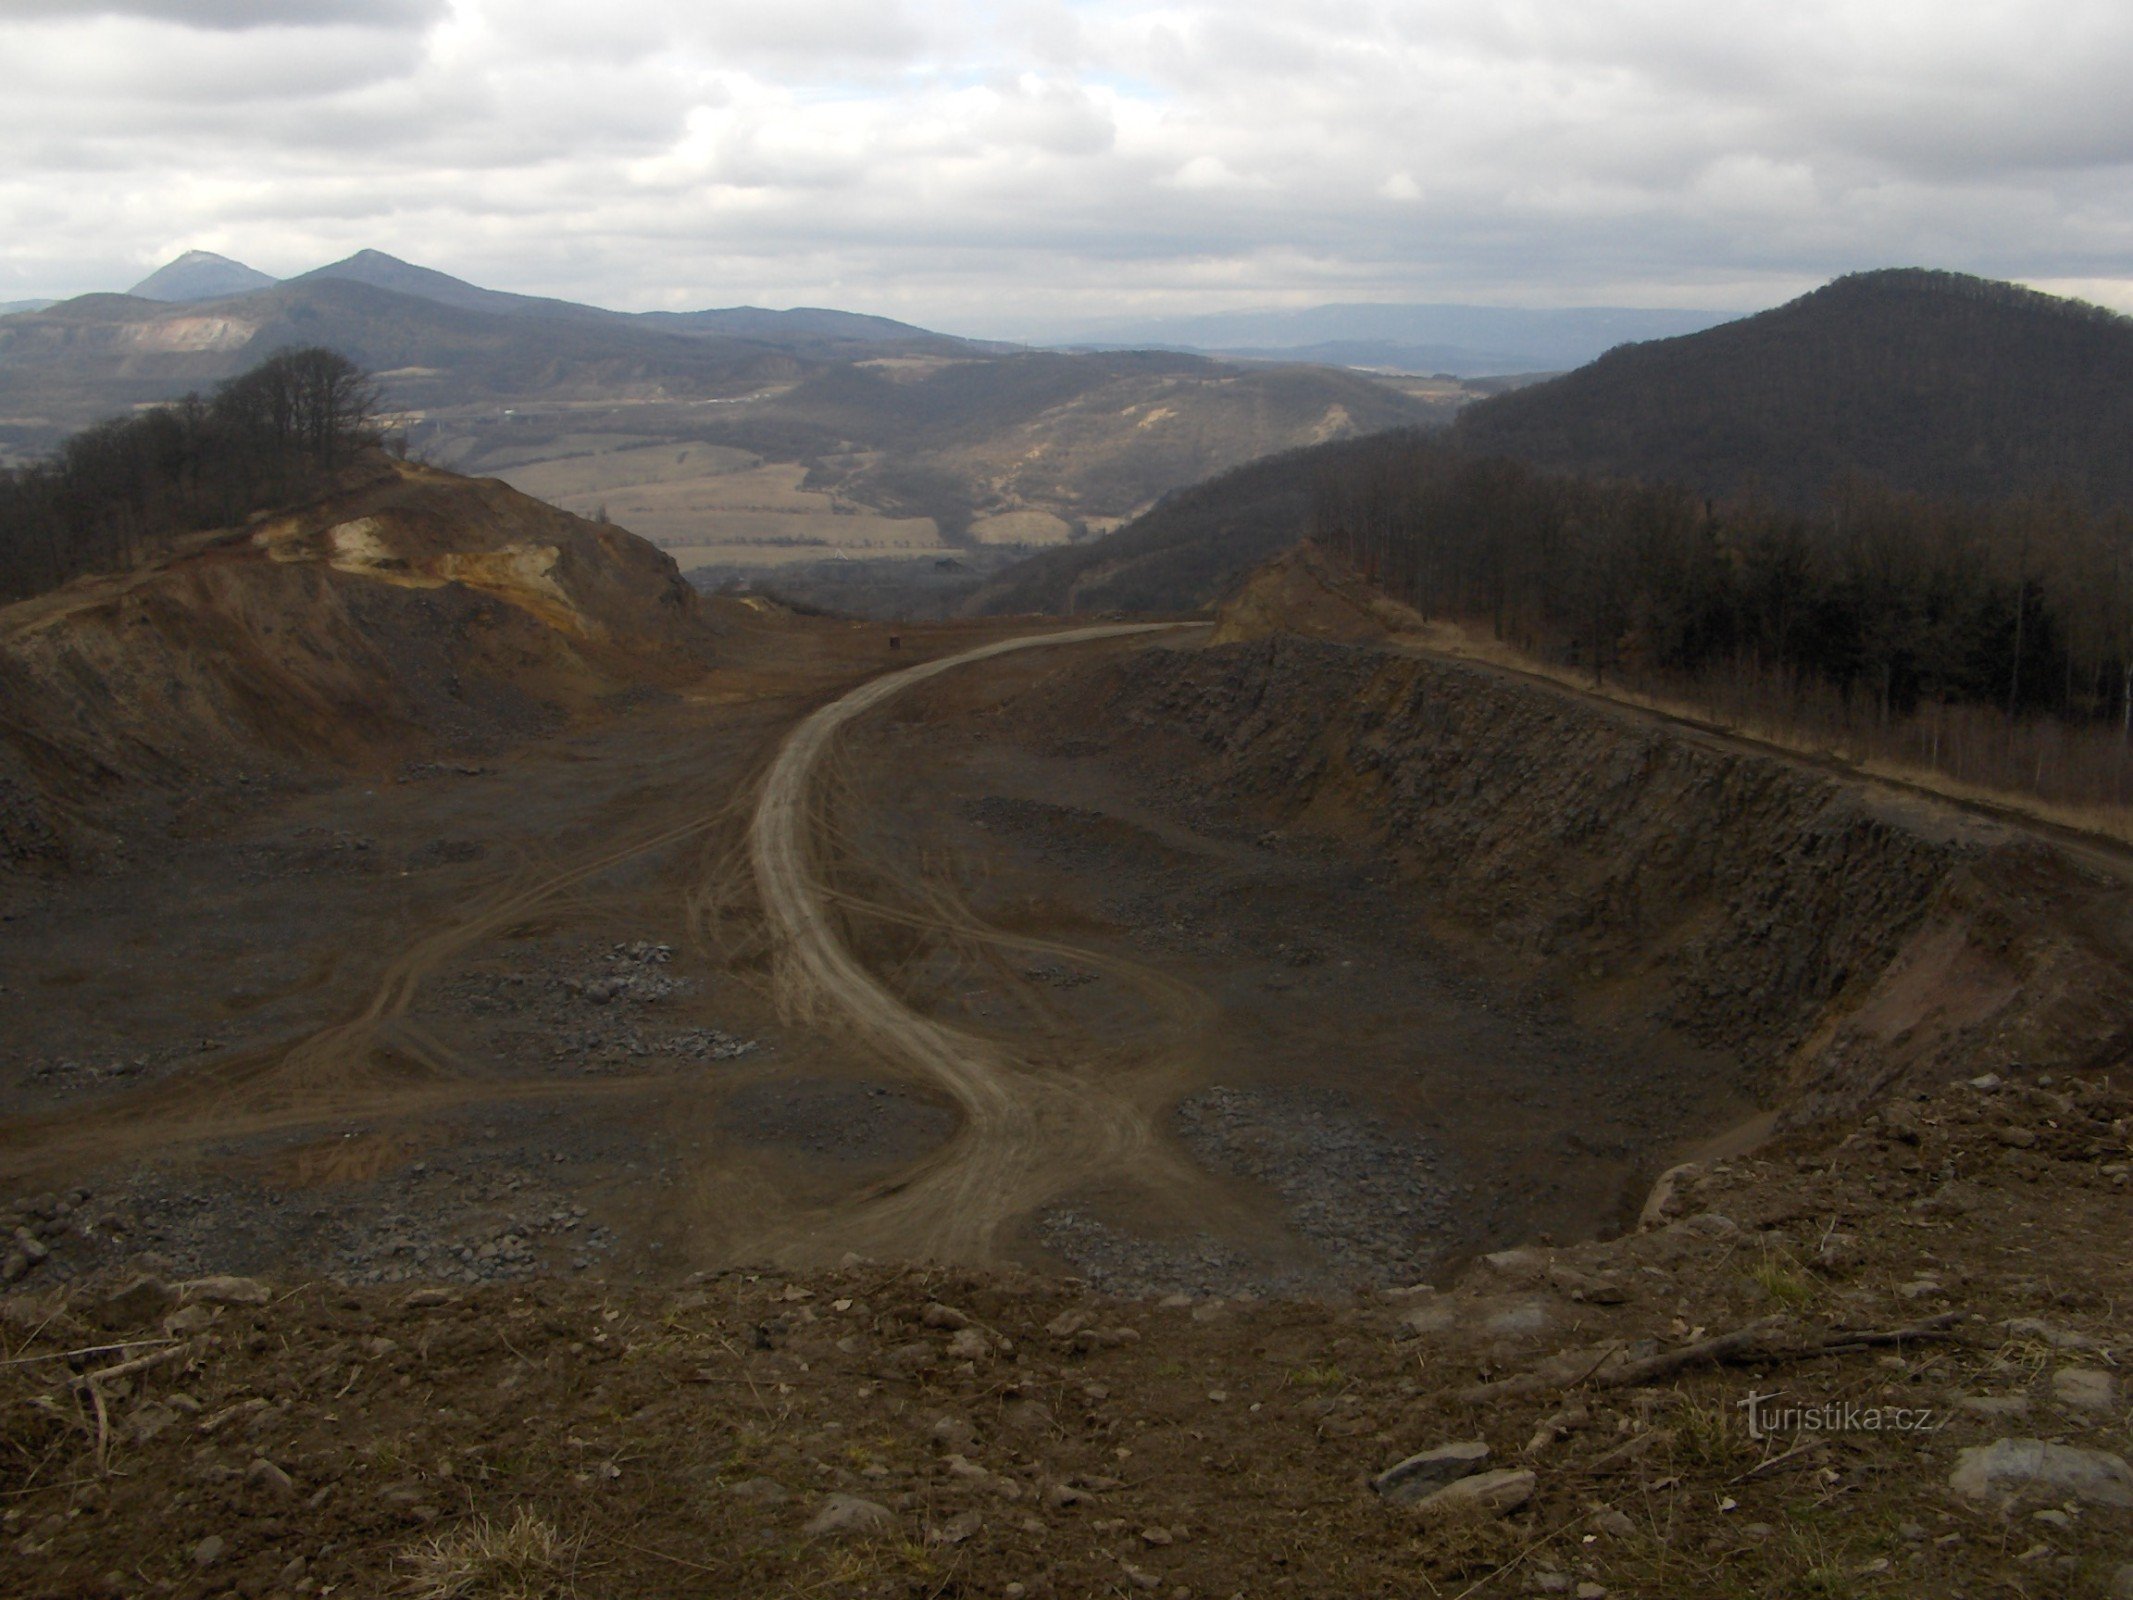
(971, 164)
(232, 15)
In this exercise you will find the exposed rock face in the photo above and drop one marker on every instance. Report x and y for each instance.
(1846, 942)
(416, 610)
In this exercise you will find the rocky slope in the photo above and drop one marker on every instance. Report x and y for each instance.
(411, 612)
(1839, 939)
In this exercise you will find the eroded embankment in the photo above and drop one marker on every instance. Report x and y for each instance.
(410, 612)
(1842, 939)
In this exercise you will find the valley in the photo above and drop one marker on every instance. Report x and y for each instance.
(1022, 1009)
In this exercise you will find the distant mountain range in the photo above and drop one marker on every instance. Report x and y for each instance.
(437, 341)
(1460, 340)
(827, 432)
(1933, 382)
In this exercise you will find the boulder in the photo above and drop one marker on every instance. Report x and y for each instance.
(2007, 1469)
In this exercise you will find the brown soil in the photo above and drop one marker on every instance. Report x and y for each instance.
(681, 1442)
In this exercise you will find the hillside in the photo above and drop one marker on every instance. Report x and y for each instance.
(1929, 381)
(1184, 553)
(408, 614)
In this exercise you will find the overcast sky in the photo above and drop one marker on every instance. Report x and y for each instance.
(999, 167)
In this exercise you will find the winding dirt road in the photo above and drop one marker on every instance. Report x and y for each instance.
(1028, 1134)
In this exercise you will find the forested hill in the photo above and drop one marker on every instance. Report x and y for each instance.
(1929, 381)
(1934, 383)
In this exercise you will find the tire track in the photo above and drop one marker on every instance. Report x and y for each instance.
(1028, 1135)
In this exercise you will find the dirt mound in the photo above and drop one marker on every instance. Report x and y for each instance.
(413, 611)
(1312, 593)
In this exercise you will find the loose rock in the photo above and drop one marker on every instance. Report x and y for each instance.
(1423, 1474)
(1486, 1494)
(843, 1514)
(2084, 1388)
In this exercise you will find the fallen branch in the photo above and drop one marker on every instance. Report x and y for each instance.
(126, 1369)
(1807, 1447)
(103, 1423)
(86, 1350)
(94, 1383)
(1760, 1341)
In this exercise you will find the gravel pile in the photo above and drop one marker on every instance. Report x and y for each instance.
(1119, 1263)
(1375, 1203)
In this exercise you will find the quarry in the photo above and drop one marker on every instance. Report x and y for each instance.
(525, 1079)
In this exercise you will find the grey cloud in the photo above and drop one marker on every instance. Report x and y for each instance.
(1058, 118)
(239, 15)
(927, 157)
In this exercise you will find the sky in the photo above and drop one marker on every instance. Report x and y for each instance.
(1018, 165)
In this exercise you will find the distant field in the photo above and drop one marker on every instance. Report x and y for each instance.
(709, 503)
(1022, 527)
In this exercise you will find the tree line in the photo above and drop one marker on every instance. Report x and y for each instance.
(124, 489)
(1881, 610)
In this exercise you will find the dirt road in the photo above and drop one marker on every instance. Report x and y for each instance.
(1028, 1134)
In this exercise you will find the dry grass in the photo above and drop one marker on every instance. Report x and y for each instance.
(1781, 1278)
(524, 1559)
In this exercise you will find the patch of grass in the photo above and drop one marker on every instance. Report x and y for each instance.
(481, 1559)
(1705, 1433)
(1782, 1279)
